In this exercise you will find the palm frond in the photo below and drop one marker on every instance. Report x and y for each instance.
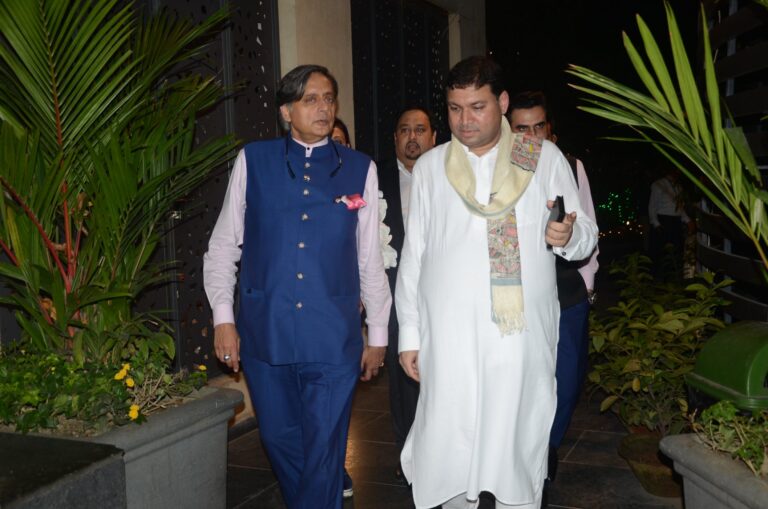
(673, 117)
(97, 122)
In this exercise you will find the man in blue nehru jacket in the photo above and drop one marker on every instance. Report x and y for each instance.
(301, 217)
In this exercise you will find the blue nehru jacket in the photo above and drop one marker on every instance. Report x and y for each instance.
(299, 279)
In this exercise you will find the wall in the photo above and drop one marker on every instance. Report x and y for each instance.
(466, 23)
(313, 32)
(321, 33)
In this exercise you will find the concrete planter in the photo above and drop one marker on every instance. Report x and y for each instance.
(178, 457)
(712, 480)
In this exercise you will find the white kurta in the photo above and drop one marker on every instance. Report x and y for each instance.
(487, 401)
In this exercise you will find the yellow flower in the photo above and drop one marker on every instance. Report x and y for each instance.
(129, 382)
(201, 367)
(121, 374)
(133, 413)
(126, 366)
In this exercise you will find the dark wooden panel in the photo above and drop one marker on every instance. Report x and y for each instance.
(758, 141)
(390, 87)
(743, 62)
(9, 329)
(750, 102)
(744, 308)
(735, 267)
(245, 56)
(400, 56)
(364, 75)
(255, 68)
(747, 18)
(718, 226)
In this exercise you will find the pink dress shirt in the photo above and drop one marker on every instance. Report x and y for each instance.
(589, 269)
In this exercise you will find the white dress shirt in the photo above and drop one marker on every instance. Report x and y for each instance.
(665, 201)
(405, 178)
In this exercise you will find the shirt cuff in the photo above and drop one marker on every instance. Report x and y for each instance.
(377, 335)
(409, 338)
(222, 313)
(564, 250)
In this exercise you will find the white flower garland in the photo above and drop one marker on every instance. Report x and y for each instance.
(388, 253)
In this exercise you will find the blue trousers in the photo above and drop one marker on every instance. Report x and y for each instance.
(572, 351)
(303, 412)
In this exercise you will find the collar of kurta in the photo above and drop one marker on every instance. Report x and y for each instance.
(516, 162)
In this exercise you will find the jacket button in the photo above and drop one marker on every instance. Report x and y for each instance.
(299, 276)
(307, 165)
(299, 305)
(306, 192)
(307, 178)
(301, 245)
(304, 216)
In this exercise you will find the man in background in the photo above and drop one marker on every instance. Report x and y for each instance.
(666, 213)
(528, 114)
(414, 135)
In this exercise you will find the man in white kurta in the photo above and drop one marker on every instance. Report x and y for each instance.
(487, 400)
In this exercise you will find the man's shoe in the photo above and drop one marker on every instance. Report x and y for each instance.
(347, 486)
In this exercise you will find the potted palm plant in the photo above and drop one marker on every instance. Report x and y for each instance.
(725, 463)
(97, 144)
(672, 116)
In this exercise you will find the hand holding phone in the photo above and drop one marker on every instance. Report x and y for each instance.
(557, 212)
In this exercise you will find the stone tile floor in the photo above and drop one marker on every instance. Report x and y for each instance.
(591, 474)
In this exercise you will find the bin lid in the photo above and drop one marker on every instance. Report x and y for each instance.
(733, 365)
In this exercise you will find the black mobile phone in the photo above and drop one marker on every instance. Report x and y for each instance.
(557, 212)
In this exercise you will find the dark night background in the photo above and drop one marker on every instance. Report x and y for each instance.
(535, 42)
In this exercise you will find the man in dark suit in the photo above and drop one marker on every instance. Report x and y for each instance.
(414, 135)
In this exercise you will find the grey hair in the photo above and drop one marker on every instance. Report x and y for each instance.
(291, 87)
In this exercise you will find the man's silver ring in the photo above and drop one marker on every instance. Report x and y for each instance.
(227, 357)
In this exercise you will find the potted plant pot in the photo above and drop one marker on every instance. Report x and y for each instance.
(655, 473)
(713, 480)
(178, 457)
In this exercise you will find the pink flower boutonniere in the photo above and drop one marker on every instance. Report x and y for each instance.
(352, 201)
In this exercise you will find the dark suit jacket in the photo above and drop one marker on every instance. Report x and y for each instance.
(389, 185)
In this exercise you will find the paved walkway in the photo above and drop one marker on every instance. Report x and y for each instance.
(591, 474)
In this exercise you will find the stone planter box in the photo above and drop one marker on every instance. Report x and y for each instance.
(712, 480)
(59, 473)
(178, 457)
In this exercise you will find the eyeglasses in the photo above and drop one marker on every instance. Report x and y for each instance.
(288, 163)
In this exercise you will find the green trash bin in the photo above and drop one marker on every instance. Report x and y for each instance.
(733, 365)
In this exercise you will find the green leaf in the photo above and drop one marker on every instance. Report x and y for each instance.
(608, 403)
(598, 342)
(643, 73)
(741, 146)
(662, 74)
(631, 366)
